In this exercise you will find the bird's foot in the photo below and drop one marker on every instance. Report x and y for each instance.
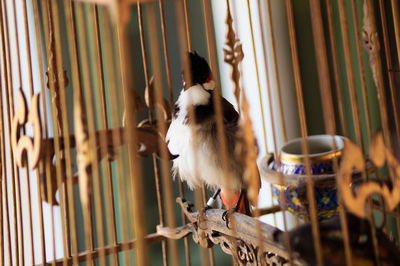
(226, 217)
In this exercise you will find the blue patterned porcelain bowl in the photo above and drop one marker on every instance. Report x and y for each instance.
(288, 177)
(323, 151)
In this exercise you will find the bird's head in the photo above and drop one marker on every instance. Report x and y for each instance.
(200, 72)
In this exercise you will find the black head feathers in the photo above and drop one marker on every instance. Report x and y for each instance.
(200, 70)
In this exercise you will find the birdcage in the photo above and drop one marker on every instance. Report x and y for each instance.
(87, 97)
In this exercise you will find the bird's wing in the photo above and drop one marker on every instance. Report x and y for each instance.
(231, 116)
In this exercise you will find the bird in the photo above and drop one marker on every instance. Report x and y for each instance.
(204, 164)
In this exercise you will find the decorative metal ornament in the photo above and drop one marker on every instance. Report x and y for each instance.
(24, 144)
(233, 54)
(55, 81)
(354, 159)
(210, 229)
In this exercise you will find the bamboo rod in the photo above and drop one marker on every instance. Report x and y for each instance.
(335, 64)
(115, 119)
(184, 48)
(78, 94)
(54, 68)
(77, 85)
(275, 67)
(40, 187)
(354, 105)
(350, 74)
(303, 125)
(222, 147)
(88, 86)
(322, 67)
(110, 204)
(48, 159)
(166, 57)
(30, 78)
(187, 25)
(391, 77)
(362, 71)
(327, 102)
(136, 187)
(150, 114)
(161, 126)
(271, 111)
(396, 23)
(189, 45)
(276, 76)
(10, 114)
(258, 77)
(4, 188)
(97, 78)
(171, 100)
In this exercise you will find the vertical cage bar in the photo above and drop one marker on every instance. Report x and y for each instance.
(335, 64)
(10, 104)
(274, 64)
(115, 118)
(2, 177)
(3, 211)
(354, 105)
(271, 111)
(150, 114)
(48, 159)
(322, 67)
(278, 86)
(30, 75)
(257, 74)
(39, 185)
(362, 71)
(187, 25)
(6, 75)
(161, 126)
(92, 126)
(76, 83)
(303, 125)
(54, 66)
(167, 60)
(90, 139)
(327, 101)
(189, 46)
(396, 24)
(70, 14)
(171, 100)
(69, 199)
(136, 186)
(184, 49)
(389, 66)
(110, 204)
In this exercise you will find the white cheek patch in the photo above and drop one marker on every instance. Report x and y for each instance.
(209, 85)
(195, 95)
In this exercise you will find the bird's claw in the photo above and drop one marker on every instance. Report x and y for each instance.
(225, 217)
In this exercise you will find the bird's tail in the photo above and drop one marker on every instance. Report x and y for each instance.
(232, 200)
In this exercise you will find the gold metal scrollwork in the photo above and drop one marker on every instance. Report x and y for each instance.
(353, 158)
(22, 144)
(233, 53)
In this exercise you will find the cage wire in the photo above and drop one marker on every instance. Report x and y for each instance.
(87, 97)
